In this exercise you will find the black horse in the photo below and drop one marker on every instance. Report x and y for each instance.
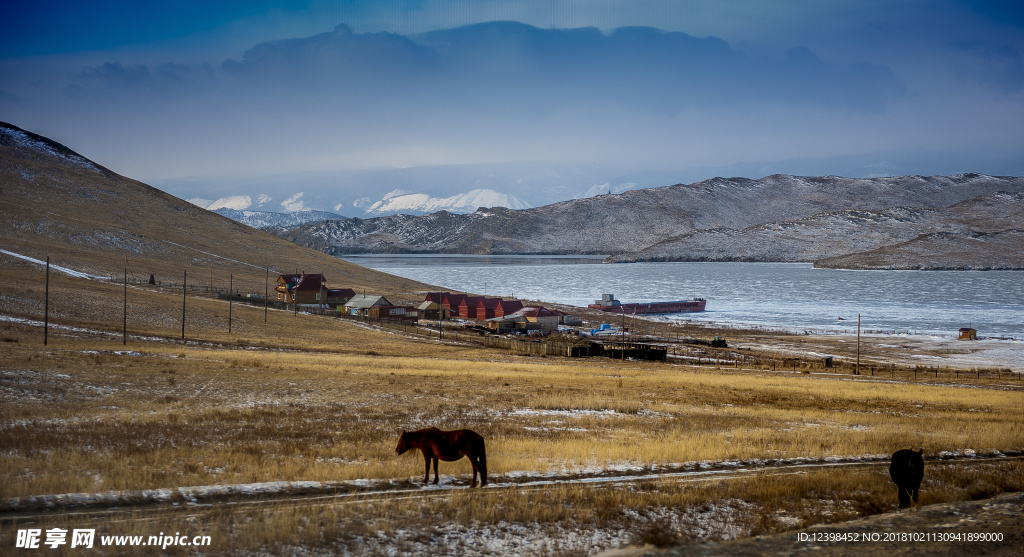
(907, 469)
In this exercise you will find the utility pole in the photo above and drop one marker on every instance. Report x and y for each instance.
(231, 296)
(46, 305)
(858, 345)
(266, 295)
(184, 281)
(321, 299)
(125, 320)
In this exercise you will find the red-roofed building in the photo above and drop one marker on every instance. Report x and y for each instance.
(507, 307)
(485, 309)
(435, 297)
(451, 302)
(468, 307)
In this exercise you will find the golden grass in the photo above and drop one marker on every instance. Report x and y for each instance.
(90, 419)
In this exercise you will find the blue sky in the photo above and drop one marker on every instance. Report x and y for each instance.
(342, 99)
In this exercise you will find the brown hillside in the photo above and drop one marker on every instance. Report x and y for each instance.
(56, 203)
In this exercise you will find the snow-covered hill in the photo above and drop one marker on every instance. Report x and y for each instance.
(776, 218)
(397, 201)
(271, 220)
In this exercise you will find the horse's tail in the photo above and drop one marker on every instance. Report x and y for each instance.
(483, 463)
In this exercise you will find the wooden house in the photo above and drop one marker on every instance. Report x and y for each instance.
(285, 283)
(967, 333)
(401, 313)
(302, 288)
(360, 304)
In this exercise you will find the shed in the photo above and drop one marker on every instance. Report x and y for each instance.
(967, 333)
(547, 319)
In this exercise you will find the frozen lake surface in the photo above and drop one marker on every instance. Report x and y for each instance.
(786, 296)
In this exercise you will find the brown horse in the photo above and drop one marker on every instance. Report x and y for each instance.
(447, 446)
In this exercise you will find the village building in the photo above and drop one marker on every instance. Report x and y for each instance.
(496, 307)
(302, 289)
(546, 319)
(526, 320)
(468, 307)
(435, 297)
(967, 333)
(339, 296)
(399, 313)
(432, 310)
(360, 304)
(451, 302)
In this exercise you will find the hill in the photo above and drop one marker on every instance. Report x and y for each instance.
(776, 218)
(86, 218)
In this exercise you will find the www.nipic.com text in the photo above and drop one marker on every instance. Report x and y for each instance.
(32, 538)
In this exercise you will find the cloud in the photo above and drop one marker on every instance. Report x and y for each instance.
(293, 204)
(748, 87)
(512, 67)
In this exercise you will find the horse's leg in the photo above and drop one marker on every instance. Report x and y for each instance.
(483, 464)
(476, 468)
(904, 497)
(426, 463)
(435, 470)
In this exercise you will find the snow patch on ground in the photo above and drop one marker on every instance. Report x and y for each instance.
(58, 268)
(28, 141)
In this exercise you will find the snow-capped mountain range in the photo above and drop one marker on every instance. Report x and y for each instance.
(398, 201)
(262, 212)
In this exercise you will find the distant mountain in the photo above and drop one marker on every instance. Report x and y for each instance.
(268, 220)
(399, 202)
(776, 218)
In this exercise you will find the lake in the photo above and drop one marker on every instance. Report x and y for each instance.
(784, 296)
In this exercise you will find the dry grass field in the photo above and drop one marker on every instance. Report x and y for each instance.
(305, 398)
(277, 436)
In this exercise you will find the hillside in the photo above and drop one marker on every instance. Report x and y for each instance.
(977, 235)
(91, 220)
(777, 218)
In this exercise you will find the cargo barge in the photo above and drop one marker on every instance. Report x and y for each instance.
(610, 304)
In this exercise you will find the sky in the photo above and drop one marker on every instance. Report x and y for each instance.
(346, 101)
